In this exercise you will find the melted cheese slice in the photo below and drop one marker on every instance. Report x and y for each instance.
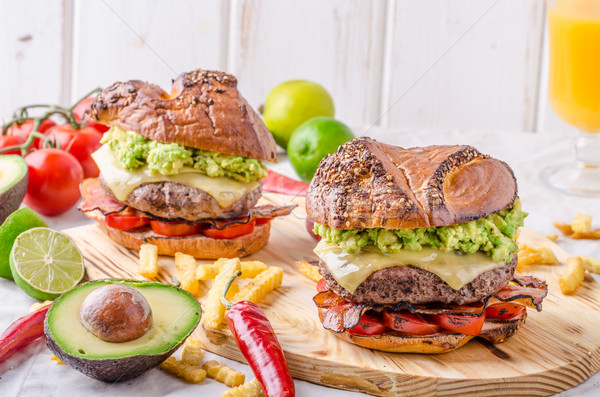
(122, 182)
(350, 270)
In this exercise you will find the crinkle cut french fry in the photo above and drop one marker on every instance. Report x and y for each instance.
(309, 270)
(552, 237)
(248, 389)
(590, 264)
(261, 285)
(582, 223)
(250, 269)
(148, 260)
(214, 311)
(535, 256)
(186, 265)
(35, 306)
(189, 373)
(58, 360)
(210, 270)
(565, 228)
(223, 373)
(589, 235)
(192, 351)
(573, 276)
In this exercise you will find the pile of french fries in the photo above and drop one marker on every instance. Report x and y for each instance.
(258, 281)
(580, 228)
(191, 369)
(574, 274)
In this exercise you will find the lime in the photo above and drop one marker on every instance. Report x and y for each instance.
(292, 103)
(45, 263)
(312, 141)
(16, 223)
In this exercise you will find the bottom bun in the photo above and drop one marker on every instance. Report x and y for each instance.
(197, 245)
(396, 342)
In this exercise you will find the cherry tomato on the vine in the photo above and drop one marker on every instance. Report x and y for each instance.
(11, 140)
(24, 129)
(80, 143)
(79, 113)
(54, 178)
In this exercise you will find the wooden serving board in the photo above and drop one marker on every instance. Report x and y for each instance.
(554, 351)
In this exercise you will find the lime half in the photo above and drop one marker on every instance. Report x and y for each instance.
(45, 263)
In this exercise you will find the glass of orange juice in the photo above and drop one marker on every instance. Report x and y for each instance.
(574, 91)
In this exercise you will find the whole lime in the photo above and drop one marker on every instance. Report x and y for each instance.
(19, 221)
(292, 103)
(312, 141)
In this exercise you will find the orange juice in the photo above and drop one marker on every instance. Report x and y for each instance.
(574, 90)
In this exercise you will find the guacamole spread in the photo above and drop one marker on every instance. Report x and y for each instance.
(134, 151)
(493, 235)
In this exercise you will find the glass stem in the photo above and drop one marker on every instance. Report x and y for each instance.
(587, 150)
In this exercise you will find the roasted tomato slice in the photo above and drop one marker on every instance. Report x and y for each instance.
(410, 323)
(369, 325)
(232, 231)
(174, 229)
(468, 325)
(322, 285)
(125, 221)
(504, 311)
(262, 221)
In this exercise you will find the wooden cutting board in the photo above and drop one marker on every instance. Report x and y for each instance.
(554, 351)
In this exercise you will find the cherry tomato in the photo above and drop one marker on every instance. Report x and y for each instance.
(468, 325)
(80, 143)
(322, 285)
(125, 221)
(11, 140)
(262, 221)
(54, 178)
(174, 229)
(310, 225)
(369, 325)
(230, 232)
(504, 311)
(79, 113)
(24, 129)
(410, 323)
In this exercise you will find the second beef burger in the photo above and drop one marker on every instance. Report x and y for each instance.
(417, 249)
(181, 170)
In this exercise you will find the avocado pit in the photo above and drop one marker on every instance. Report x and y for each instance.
(116, 313)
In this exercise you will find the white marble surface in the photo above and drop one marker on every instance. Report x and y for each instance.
(32, 373)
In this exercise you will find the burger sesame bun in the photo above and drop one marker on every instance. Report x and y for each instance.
(396, 342)
(199, 246)
(204, 110)
(368, 184)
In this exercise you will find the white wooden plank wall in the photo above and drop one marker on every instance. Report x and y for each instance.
(146, 40)
(32, 48)
(472, 67)
(404, 64)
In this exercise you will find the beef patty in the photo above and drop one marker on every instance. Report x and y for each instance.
(413, 285)
(173, 200)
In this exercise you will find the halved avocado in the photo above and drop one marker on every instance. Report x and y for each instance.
(13, 184)
(175, 314)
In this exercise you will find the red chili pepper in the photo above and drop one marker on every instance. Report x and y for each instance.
(22, 332)
(258, 343)
(277, 183)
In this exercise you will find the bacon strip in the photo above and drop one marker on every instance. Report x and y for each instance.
(343, 314)
(96, 198)
(262, 211)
